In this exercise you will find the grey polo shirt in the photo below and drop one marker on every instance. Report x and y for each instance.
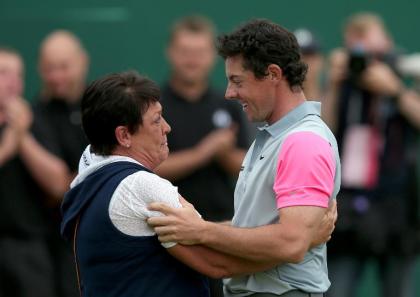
(255, 205)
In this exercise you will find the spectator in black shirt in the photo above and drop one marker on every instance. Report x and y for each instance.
(375, 118)
(208, 138)
(63, 65)
(26, 268)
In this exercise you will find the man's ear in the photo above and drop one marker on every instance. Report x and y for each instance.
(123, 136)
(275, 72)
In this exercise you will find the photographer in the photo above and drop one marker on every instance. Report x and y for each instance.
(374, 117)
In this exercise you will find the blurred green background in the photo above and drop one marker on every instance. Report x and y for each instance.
(130, 34)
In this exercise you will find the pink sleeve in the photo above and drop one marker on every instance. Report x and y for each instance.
(305, 171)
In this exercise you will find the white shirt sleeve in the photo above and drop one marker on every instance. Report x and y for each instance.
(128, 207)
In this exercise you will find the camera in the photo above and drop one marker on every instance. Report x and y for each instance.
(358, 62)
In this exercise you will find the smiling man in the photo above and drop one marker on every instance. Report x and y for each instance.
(289, 177)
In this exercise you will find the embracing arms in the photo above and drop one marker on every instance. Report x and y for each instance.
(222, 250)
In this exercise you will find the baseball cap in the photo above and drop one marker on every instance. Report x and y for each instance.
(307, 41)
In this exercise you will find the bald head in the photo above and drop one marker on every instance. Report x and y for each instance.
(63, 66)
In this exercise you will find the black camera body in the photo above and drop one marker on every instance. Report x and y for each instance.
(358, 62)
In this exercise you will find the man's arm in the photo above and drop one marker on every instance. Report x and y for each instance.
(180, 164)
(380, 79)
(51, 173)
(286, 241)
(299, 228)
(409, 104)
(231, 160)
(337, 72)
(217, 264)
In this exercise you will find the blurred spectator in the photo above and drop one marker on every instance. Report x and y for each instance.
(312, 56)
(26, 268)
(13, 123)
(372, 113)
(63, 65)
(208, 149)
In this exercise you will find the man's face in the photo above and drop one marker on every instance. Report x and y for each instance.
(11, 76)
(257, 96)
(63, 69)
(191, 56)
(373, 41)
(150, 141)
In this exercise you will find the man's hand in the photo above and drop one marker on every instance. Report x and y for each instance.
(19, 115)
(337, 70)
(379, 79)
(182, 225)
(327, 225)
(217, 142)
(19, 118)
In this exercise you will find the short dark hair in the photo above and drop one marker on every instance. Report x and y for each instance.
(261, 42)
(193, 23)
(118, 99)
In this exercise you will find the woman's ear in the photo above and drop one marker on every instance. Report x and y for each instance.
(123, 136)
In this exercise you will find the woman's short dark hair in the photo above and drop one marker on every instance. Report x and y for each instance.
(261, 43)
(118, 99)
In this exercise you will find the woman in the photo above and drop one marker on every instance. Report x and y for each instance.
(116, 251)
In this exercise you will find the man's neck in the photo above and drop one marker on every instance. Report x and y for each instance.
(75, 95)
(190, 91)
(288, 101)
(72, 96)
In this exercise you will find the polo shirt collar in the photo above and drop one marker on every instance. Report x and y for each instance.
(294, 116)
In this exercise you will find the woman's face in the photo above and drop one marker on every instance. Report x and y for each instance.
(149, 145)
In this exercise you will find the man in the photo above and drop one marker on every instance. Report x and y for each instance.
(24, 224)
(11, 105)
(289, 176)
(312, 56)
(207, 150)
(367, 99)
(63, 65)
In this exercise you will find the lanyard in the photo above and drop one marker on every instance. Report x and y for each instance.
(75, 256)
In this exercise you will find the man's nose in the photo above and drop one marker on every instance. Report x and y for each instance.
(230, 93)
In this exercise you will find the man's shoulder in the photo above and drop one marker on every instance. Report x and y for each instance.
(50, 106)
(314, 124)
(165, 91)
